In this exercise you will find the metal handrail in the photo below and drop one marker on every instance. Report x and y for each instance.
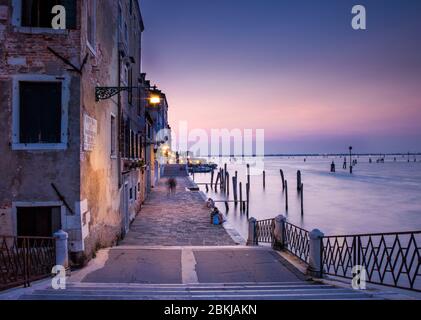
(297, 241)
(264, 230)
(389, 259)
(25, 259)
(375, 234)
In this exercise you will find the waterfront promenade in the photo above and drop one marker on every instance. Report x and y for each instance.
(180, 219)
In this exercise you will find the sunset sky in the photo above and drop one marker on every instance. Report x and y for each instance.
(294, 68)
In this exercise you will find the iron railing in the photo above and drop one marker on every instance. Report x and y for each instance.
(297, 241)
(264, 230)
(25, 259)
(390, 259)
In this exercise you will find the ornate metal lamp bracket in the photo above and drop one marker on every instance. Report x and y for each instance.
(104, 93)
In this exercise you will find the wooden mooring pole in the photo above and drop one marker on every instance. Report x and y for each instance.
(212, 174)
(234, 189)
(226, 179)
(302, 199)
(299, 180)
(218, 176)
(227, 182)
(248, 197)
(264, 179)
(241, 196)
(286, 195)
(283, 179)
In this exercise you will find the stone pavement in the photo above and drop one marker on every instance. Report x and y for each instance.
(177, 265)
(177, 220)
(187, 273)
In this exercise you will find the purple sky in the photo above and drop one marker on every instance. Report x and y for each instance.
(294, 68)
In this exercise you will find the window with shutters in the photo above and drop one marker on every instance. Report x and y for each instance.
(127, 133)
(137, 156)
(132, 145)
(38, 13)
(130, 85)
(113, 136)
(40, 106)
(40, 112)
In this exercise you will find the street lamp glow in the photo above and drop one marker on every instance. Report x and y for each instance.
(155, 100)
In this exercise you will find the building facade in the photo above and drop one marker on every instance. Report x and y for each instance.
(73, 149)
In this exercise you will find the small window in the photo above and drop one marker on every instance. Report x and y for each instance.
(37, 13)
(125, 78)
(138, 147)
(113, 136)
(132, 145)
(91, 23)
(127, 139)
(130, 85)
(40, 112)
(139, 103)
(120, 18)
(131, 193)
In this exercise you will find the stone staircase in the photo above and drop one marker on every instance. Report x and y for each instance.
(209, 291)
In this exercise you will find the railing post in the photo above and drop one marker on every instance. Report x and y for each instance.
(279, 233)
(62, 255)
(315, 268)
(252, 238)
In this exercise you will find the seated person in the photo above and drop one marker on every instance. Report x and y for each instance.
(216, 217)
(210, 203)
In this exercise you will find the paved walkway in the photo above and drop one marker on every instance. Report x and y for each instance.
(178, 265)
(177, 220)
(186, 273)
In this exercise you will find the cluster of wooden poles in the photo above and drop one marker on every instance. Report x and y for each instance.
(223, 182)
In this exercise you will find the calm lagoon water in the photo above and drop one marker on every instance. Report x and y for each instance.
(378, 197)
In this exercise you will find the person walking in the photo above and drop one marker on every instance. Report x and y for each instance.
(172, 186)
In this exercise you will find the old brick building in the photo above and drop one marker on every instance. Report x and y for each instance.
(69, 158)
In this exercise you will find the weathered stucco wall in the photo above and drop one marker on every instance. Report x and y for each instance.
(106, 200)
(26, 176)
(99, 170)
(88, 179)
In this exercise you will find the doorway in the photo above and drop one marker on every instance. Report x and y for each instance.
(126, 218)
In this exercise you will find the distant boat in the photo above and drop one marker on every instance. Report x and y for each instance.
(201, 168)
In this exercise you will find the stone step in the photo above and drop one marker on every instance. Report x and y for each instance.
(256, 291)
(196, 285)
(249, 296)
(191, 290)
